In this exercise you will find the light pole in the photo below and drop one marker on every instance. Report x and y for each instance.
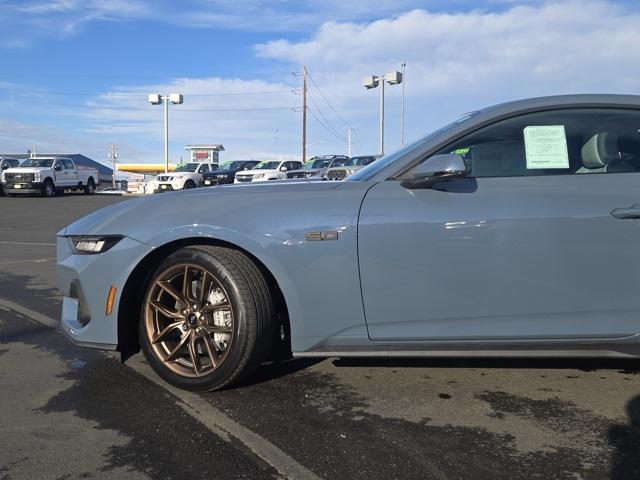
(157, 99)
(113, 156)
(372, 81)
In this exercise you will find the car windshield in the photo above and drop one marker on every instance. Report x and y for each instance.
(340, 162)
(373, 168)
(312, 164)
(187, 167)
(37, 163)
(360, 161)
(232, 165)
(267, 165)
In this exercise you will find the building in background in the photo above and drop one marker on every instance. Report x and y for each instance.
(205, 152)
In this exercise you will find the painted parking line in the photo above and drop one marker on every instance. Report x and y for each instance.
(29, 243)
(200, 409)
(37, 260)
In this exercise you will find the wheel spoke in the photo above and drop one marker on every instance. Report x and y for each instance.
(164, 310)
(167, 287)
(217, 306)
(211, 349)
(174, 353)
(187, 284)
(167, 329)
(193, 353)
(206, 283)
(219, 329)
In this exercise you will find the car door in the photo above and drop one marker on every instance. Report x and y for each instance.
(60, 174)
(541, 241)
(71, 172)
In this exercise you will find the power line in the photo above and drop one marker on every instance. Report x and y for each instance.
(328, 102)
(104, 107)
(335, 130)
(122, 94)
(325, 127)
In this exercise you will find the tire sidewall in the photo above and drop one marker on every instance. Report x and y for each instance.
(48, 190)
(243, 331)
(91, 187)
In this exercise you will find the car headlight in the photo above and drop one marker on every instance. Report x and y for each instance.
(36, 177)
(92, 244)
(258, 175)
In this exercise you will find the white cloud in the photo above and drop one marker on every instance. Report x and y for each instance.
(462, 61)
(456, 62)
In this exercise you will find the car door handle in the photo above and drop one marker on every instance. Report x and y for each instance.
(627, 213)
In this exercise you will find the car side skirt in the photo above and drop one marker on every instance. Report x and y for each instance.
(583, 351)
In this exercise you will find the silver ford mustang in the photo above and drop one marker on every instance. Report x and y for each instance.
(512, 231)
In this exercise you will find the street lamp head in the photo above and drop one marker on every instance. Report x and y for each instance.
(393, 78)
(175, 98)
(155, 99)
(370, 81)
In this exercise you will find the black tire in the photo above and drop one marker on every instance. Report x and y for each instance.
(188, 185)
(90, 187)
(254, 323)
(48, 189)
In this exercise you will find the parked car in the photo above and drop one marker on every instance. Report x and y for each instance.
(227, 172)
(317, 166)
(6, 163)
(48, 176)
(184, 177)
(352, 166)
(525, 242)
(268, 170)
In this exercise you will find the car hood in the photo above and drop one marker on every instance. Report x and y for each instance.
(143, 217)
(175, 174)
(305, 170)
(26, 170)
(253, 172)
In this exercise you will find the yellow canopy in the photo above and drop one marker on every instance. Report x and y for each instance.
(147, 168)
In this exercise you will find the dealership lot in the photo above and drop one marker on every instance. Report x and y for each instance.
(80, 413)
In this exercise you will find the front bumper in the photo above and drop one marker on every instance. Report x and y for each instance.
(22, 187)
(85, 281)
(165, 187)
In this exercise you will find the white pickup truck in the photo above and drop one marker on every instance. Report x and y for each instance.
(187, 175)
(48, 176)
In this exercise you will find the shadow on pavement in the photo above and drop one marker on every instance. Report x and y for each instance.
(630, 366)
(275, 370)
(625, 439)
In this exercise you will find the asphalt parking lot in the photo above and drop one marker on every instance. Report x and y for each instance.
(73, 413)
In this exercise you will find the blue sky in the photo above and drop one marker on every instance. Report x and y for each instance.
(75, 73)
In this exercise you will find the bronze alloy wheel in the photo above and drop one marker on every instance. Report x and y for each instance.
(189, 320)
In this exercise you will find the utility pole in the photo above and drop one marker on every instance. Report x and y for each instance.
(304, 114)
(349, 141)
(382, 115)
(113, 156)
(404, 65)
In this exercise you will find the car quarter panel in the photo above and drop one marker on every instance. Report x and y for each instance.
(319, 279)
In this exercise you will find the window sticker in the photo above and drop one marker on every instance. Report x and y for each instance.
(546, 147)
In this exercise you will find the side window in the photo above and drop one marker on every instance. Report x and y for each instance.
(68, 164)
(557, 142)
(296, 165)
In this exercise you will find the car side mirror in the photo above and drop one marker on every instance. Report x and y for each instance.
(283, 169)
(58, 167)
(439, 168)
(4, 166)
